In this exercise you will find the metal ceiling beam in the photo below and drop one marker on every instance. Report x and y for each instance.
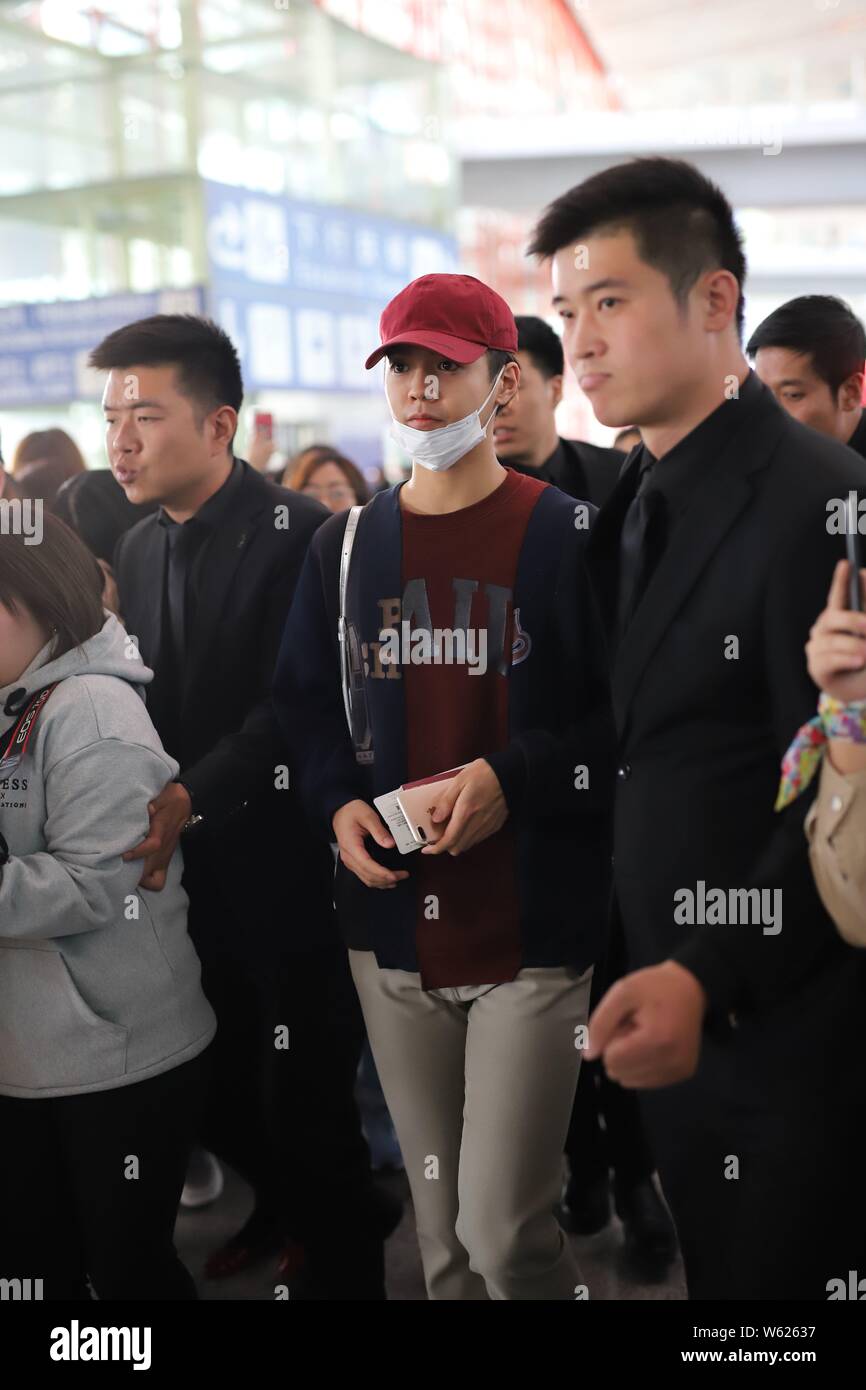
(801, 176)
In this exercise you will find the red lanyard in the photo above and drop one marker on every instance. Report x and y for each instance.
(17, 745)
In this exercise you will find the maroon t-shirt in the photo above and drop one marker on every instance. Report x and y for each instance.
(463, 565)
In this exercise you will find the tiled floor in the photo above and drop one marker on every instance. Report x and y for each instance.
(200, 1232)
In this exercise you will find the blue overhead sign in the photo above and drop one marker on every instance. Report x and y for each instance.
(44, 347)
(300, 286)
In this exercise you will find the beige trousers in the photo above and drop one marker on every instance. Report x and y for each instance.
(480, 1084)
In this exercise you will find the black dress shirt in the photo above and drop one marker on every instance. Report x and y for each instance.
(672, 483)
(857, 442)
(185, 554)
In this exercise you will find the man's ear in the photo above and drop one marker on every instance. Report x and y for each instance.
(720, 293)
(850, 393)
(223, 427)
(555, 384)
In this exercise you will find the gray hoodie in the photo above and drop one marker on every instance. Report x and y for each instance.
(99, 981)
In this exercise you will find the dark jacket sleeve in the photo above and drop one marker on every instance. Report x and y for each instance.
(740, 965)
(540, 769)
(237, 767)
(308, 696)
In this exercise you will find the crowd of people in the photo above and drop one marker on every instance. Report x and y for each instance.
(628, 927)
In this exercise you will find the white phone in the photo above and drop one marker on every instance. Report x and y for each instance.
(408, 811)
(392, 814)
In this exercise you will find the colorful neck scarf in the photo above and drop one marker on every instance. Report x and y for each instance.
(834, 719)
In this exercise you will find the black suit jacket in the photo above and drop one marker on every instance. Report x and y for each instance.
(587, 471)
(221, 728)
(701, 735)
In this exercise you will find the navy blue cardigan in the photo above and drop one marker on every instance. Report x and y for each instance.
(559, 719)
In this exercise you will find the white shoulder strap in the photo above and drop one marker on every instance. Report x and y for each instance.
(345, 561)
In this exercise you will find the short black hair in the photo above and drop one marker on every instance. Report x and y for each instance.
(541, 343)
(207, 363)
(497, 358)
(821, 326)
(681, 221)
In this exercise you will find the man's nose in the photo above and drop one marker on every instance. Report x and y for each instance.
(583, 341)
(124, 437)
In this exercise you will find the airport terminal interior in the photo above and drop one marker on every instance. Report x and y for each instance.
(432, 654)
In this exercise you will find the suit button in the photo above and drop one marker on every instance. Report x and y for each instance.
(836, 803)
(624, 772)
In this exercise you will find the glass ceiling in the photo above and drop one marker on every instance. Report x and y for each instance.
(126, 28)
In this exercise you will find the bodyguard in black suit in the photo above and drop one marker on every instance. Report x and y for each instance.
(744, 1022)
(585, 470)
(606, 1131)
(205, 584)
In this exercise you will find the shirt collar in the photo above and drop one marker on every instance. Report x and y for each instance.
(857, 442)
(211, 512)
(678, 472)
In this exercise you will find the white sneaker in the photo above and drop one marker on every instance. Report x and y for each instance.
(204, 1180)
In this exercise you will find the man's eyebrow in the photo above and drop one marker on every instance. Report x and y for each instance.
(610, 282)
(791, 381)
(134, 405)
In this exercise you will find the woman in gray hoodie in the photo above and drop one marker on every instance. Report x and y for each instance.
(103, 1023)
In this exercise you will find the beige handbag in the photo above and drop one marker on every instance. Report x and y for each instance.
(836, 830)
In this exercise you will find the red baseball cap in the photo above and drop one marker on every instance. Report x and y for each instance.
(456, 315)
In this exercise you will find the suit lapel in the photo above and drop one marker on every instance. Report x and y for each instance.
(149, 619)
(226, 549)
(718, 502)
(714, 507)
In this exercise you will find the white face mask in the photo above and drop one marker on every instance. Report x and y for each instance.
(441, 449)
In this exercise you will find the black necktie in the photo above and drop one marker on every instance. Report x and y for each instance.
(176, 590)
(633, 546)
(183, 544)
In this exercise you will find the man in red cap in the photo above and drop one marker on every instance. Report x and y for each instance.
(472, 643)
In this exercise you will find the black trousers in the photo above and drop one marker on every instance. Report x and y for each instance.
(281, 1107)
(760, 1154)
(89, 1187)
(621, 1141)
(606, 1132)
